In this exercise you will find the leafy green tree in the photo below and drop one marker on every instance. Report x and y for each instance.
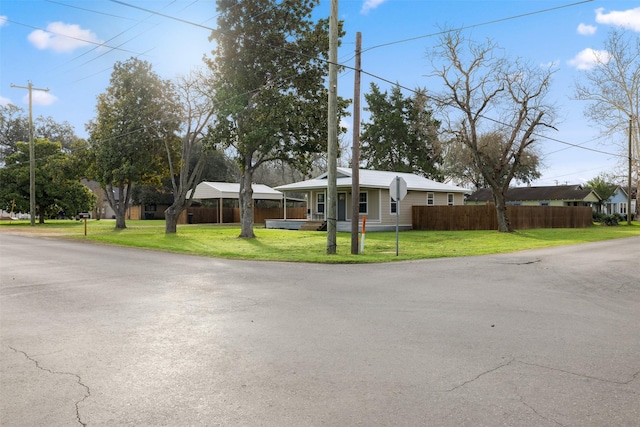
(488, 94)
(402, 135)
(58, 188)
(602, 185)
(14, 128)
(270, 63)
(137, 115)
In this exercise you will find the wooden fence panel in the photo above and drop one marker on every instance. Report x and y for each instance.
(202, 215)
(483, 217)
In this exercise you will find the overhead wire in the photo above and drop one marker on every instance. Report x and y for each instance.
(347, 67)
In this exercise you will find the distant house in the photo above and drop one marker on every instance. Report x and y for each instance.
(374, 202)
(556, 195)
(617, 204)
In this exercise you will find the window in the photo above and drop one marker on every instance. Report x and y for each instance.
(623, 208)
(431, 199)
(544, 203)
(362, 207)
(450, 199)
(320, 203)
(394, 206)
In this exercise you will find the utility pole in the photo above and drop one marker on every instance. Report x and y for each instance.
(332, 141)
(32, 158)
(355, 151)
(629, 176)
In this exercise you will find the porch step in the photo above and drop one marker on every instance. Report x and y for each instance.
(314, 226)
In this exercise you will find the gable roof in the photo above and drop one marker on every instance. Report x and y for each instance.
(521, 194)
(373, 179)
(231, 190)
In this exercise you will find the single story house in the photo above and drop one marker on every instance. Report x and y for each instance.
(374, 202)
(555, 195)
(618, 203)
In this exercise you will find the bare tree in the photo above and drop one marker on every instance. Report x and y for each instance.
(612, 88)
(486, 93)
(186, 168)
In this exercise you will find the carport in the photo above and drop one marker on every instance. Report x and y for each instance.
(221, 191)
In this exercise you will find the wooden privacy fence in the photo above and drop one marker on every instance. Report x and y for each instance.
(483, 217)
(202, 215)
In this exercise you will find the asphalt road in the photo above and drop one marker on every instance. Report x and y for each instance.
(106, 336)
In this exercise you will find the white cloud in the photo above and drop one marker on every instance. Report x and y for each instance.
(39, 97)
(587, 30)
(629, 19)
(61, 37)
(370, 5)
(4, 101)
(3, 20)
(588, 58)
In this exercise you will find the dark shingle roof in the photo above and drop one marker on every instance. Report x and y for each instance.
(520, 194)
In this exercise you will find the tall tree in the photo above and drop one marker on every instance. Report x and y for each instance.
(14, 128)
(136, 116)
(612, 88)
(270, 62)
(402, 134)
(58, 187)
(487, 93)
(198, 112)
(460, 165)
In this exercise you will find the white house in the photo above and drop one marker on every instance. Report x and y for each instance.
(375, 201)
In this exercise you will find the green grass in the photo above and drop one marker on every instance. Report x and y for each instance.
(302, 246)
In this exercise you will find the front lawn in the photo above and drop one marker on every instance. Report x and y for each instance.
(310, 246)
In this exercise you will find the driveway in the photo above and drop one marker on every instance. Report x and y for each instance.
(103, 336)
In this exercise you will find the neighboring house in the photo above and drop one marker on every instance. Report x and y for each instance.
(375, 201)
(555, 195)
(617, 204)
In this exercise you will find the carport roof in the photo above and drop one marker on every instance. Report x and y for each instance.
(231, 190)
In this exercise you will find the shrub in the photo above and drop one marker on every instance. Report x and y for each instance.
(611, 219)
(598, 216)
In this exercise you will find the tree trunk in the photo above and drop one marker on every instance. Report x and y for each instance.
(119, 206)
(40, 215)
(171, 215)
(504, 225)
(246, 204)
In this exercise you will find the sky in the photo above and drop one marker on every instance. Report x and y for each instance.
(70, 46)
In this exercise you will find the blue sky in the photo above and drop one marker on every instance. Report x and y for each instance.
(70, 46)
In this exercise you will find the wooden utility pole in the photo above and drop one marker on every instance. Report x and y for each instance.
(629, 176)
(355, 151)
(332, 141)
(32, 158)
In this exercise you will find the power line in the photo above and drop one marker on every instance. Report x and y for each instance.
(495, 21)
(99, 44)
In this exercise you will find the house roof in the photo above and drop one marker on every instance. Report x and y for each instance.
(373, 179)
(521, 194)
(231, 190)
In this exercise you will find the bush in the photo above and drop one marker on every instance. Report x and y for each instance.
(598, 216)
(611, 219)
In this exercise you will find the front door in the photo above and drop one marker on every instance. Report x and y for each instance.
(342, 206)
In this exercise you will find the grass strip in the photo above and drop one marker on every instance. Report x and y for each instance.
(221, 241)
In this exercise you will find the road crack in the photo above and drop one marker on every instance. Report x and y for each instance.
(78, 378)
(524, 402)
(481, 375)
(589, 377)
